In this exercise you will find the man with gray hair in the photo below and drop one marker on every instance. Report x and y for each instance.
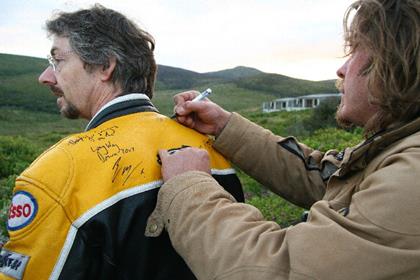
(80, 210)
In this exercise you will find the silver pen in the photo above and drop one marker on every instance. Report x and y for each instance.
(199, 97)
(202, 95)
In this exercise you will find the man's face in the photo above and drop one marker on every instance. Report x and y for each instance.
(70, 82)
(354, 107)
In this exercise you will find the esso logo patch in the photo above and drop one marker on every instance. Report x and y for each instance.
(22, 211)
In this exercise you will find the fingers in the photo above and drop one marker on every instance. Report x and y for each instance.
(188, 121)
(204, 116)
(182, 97)
(183, 160)
(193, 107)
(196, 106)
(193, 114)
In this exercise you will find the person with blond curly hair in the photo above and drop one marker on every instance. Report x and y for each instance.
(363, 202)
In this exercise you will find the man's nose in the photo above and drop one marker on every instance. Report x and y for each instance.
(341, 72)
(47, 77)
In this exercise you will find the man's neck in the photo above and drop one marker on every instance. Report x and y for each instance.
(100, 98)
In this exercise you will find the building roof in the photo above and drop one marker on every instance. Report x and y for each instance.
(319, 95)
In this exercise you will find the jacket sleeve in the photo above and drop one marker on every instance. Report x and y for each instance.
(222, 239)
(37, 222)
(287, 167)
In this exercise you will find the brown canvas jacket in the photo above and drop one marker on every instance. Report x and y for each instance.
(364, 219)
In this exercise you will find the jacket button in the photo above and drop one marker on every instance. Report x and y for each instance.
(153, 228)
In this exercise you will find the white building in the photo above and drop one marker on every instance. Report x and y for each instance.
(298, 103)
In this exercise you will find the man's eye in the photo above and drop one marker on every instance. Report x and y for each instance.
(58, 60)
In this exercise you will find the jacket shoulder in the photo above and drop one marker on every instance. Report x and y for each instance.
(391, 180)
(173, 135)
(52, 169)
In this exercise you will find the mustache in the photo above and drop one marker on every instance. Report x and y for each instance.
(55, 89)
(339, 84)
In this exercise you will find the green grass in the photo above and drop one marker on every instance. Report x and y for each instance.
(16, 153)
(281, 123)
(333, 138)
(14, 121)
(273, 207)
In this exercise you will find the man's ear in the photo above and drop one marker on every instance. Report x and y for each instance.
(106, 72)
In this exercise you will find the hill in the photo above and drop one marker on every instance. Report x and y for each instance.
(235, 73)
(239, 89)
(19, 84)
(243, 78)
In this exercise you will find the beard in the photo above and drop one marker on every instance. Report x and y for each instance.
(67, 109)
(342, 122)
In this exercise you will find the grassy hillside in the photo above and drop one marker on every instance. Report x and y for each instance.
(283, 86)
(235, 73)
(19, 84)
(240, 88)
(23, 100)
(15, 121)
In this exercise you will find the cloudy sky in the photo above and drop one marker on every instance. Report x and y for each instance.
(298, 38)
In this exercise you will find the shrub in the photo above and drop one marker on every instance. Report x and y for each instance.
(333, 138)
(6, 187)
(273, 207)
(276, 209)
(322, 116)
(15, 155)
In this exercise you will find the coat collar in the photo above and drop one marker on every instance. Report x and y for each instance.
(358, 157)
(120, 106)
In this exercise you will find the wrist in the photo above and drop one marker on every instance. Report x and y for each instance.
(221, 124)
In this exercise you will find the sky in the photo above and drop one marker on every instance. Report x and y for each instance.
(298, 38)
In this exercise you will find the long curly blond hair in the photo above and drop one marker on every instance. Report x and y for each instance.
(390, 31)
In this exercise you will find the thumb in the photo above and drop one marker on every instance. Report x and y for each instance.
(163, 154)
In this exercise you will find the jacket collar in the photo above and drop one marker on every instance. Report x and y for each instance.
(120, 106)
(358, 157)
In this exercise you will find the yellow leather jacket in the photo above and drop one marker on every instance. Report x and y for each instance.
(80, 210)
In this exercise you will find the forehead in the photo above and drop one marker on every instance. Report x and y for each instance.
(60, 45)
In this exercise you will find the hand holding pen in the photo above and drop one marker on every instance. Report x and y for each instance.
(204, 116)
(199, 97)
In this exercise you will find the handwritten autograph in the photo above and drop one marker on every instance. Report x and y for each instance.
(93, 137)
(109, 150)
(124, 171)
